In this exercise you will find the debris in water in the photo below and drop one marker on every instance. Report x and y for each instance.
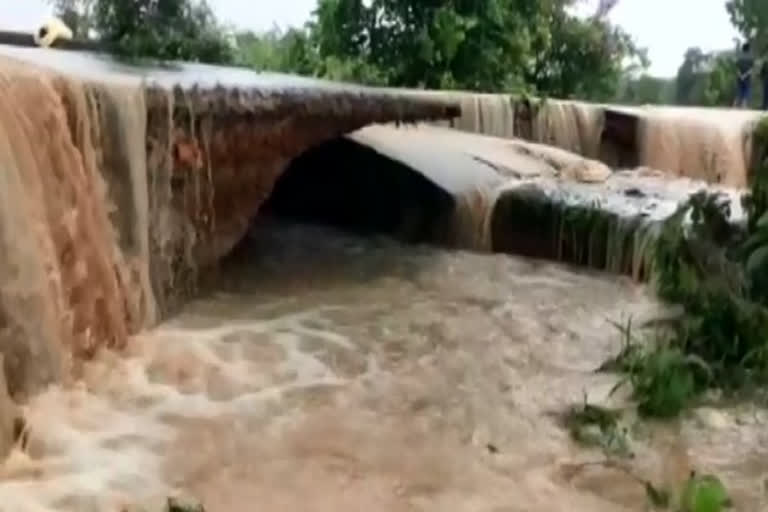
(659, 497)
(177, 504)
(593, 425)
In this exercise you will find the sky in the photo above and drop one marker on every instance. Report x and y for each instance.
(665, 27)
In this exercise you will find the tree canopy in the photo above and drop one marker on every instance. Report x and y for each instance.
(750, 17)
(535, 46)
(490, 45)
(160, 29)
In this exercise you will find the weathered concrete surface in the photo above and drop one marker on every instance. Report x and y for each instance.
(133, 179)
(541, 201)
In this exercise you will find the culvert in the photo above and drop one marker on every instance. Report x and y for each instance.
(351, 186)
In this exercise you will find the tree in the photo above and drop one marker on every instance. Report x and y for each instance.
(162, 29)
(720, 81)
(750, 17)
(706, 79)
(691, 76)
(76, 14)
(276, 50)
(646, 89)
(489, 45)
(573, 46)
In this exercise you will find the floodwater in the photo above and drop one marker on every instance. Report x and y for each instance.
(325, 372)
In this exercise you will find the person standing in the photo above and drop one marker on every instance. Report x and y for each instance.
(744, 65)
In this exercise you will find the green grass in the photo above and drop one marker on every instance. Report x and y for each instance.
(597, 426)
(718, 272)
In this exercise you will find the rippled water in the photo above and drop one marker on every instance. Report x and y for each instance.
(331, 373)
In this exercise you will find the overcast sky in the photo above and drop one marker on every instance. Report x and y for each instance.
(666, 27)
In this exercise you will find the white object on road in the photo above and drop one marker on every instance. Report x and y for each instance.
(51, 31)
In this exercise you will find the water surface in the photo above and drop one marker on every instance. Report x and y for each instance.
(324, 372)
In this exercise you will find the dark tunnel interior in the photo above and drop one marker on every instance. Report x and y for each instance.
(347, 185)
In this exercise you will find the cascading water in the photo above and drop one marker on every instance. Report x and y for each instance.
(703, 144)
(699, 144)
(319, 371)
(575, 127)
(67, 286)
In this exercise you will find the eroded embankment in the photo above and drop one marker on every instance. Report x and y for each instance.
(713, 145)
(119, 188)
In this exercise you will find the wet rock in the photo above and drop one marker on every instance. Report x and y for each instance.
(592, 224)
(587, 171)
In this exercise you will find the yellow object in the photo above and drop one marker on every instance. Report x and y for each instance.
(51, 31)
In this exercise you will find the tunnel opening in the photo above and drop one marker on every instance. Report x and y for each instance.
(344, 184)
(340, 212)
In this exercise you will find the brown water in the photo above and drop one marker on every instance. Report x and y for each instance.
(707, 144)
(322, 372)
(64, 282)
(330, 373)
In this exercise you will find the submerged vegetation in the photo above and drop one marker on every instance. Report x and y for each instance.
(596, 426)
(717, 269)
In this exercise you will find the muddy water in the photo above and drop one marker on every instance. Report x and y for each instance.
(330, 373)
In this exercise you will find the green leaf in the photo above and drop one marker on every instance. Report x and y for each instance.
(758, 239)
(758, 259)
(704, 494)
(762, 222)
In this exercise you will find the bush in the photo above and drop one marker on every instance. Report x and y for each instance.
(718, 271)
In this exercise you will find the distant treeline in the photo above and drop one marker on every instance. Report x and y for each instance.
(705, 79)
(538, 47)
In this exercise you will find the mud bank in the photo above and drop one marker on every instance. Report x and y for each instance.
(122, 184)
(713, 145)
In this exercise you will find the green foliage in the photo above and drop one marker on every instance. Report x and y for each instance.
(575, 45)
(664, 382)
(593, 425)
(276, 50)
(706, 79)
(489, 45)
(76, 14)
(704, 493)
(720, 81)
(750, 17)
(162, 29)
(646, 89)
(717, 271)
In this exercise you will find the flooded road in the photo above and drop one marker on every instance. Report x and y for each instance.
(325, 372)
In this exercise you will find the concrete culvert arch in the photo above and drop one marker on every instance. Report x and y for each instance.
(351, 186)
